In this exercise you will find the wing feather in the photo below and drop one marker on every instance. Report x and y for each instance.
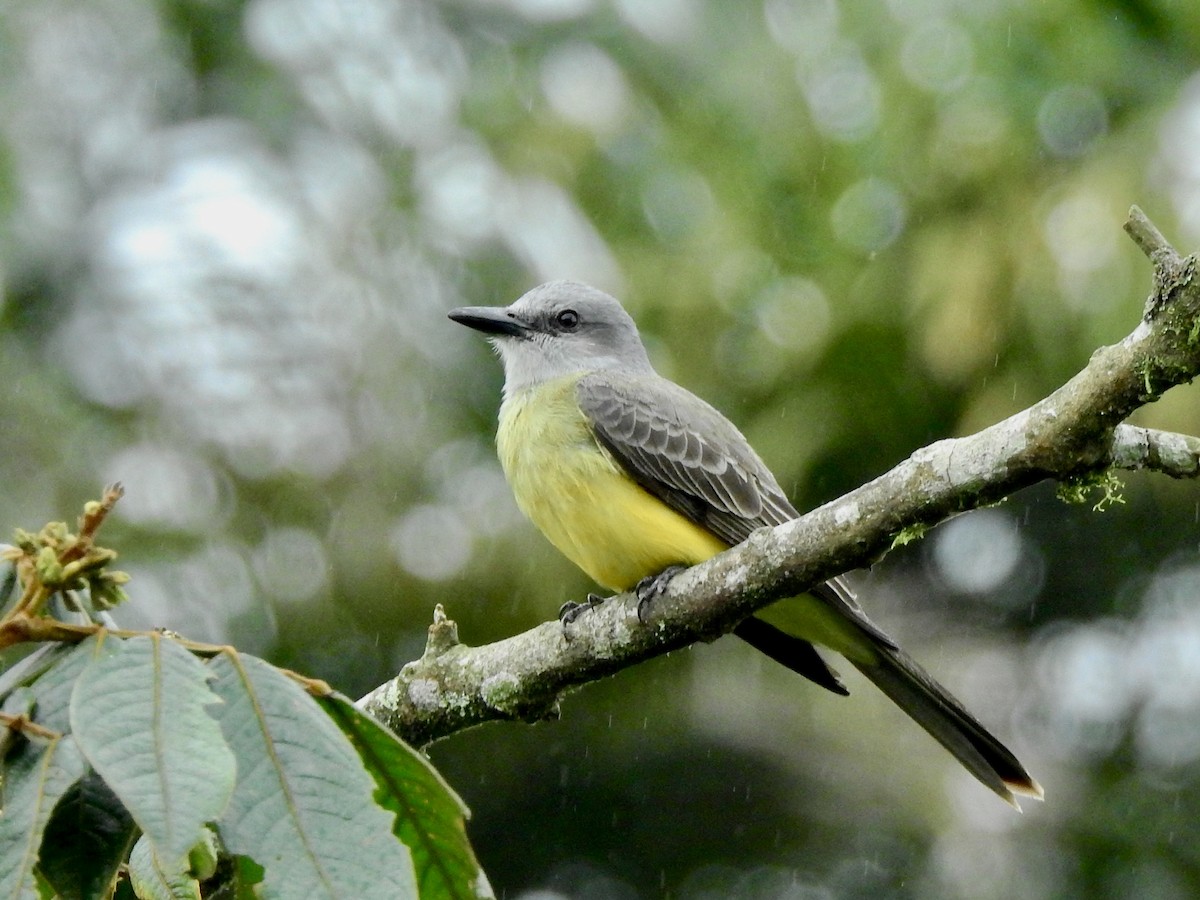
(684, 452)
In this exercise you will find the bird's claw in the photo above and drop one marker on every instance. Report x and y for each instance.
(651, 588)
(570, 611)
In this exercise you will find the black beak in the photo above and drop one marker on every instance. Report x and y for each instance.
(490, 320)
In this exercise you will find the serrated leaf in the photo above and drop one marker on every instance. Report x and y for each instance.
(152, 882)
(53, 690)
(430, 816)
(141, 718)
(35, 777)
(86, 840)
(303, 807)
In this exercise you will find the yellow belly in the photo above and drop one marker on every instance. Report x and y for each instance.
(581, 499)
(600, 519)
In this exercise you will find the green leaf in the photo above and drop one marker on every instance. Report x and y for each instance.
(34, 779)
(243, 882)
(45, 891)
(304, 806)
(140, 718)
(33, 666)
(86, 840)
(153, 882)
(430, 817)
(204, 856)
(53, 690)
(20, 702)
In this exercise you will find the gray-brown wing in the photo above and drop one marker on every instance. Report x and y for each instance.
(684, 452)
(681, 450)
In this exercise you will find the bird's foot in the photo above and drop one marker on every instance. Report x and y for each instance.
(651, 587)
(570, 611)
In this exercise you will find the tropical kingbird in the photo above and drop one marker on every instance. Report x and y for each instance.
(630, 476)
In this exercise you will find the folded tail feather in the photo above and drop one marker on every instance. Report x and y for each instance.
(894, 672)
(796, 653)
(933, 708)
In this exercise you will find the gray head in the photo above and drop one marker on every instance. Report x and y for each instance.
(559, 328)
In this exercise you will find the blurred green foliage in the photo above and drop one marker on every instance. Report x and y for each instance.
(230, 235)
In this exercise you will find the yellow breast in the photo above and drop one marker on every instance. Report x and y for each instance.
(581, 498)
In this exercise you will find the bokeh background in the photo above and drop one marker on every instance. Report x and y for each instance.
(229, 235)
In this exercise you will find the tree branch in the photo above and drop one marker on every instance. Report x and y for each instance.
(1073, 433)
(1177, 455)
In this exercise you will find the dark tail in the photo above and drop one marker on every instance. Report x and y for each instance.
(908, 686)
(933, 708)
(796, 653)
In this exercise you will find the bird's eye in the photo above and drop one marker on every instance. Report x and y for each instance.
(567, 320)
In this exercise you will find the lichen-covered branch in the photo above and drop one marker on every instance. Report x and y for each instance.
(1075, 432)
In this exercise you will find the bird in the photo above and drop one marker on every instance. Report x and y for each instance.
(632, 477)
